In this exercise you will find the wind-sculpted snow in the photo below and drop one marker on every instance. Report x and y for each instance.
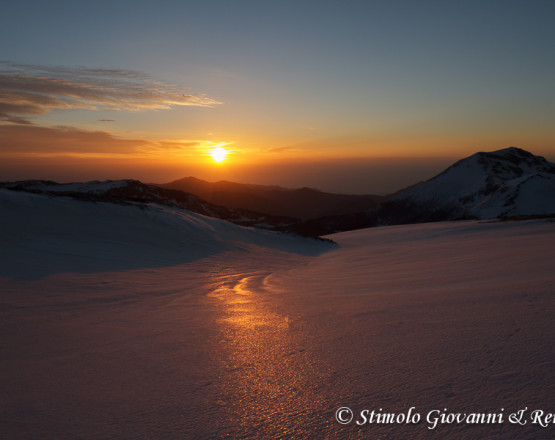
(260, 340)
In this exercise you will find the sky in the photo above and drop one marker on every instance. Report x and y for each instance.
(345, 96)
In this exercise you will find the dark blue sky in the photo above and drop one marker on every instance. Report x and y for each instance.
(302, 79)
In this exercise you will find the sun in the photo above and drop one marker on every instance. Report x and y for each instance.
(219, 154)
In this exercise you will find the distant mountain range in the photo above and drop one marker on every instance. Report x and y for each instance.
(504, 183)
(303, 203)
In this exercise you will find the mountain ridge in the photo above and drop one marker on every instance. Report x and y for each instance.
(302, 203)
(131, 191)
(510, 182)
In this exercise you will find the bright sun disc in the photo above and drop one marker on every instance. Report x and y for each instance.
(219, 154)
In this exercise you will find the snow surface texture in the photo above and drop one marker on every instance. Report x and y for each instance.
(129, 324)
(502, 183)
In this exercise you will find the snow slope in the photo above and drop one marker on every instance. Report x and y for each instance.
(135, 192)
(48, 235)
(256, 339)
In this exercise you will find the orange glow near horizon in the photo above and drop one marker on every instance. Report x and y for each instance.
(360, 165)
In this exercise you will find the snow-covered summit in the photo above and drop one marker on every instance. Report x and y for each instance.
(505, 182)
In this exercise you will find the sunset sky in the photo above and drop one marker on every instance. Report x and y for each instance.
(346, 96)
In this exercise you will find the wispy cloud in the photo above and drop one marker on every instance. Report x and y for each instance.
(27, 90)
(284, 150)
(35, 141)
(53, 141)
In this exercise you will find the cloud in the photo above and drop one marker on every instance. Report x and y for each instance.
(284, 150)
(36, 141)
(18, 140)
(27, 90)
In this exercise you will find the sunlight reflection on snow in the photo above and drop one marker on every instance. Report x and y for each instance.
(269, 375)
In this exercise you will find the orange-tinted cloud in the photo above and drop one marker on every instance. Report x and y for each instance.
(36, 141)
(287, 149)
(36, 90)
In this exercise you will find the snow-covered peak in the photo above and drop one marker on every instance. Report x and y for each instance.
(513, 162)
(510, 181)
(508, 163)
